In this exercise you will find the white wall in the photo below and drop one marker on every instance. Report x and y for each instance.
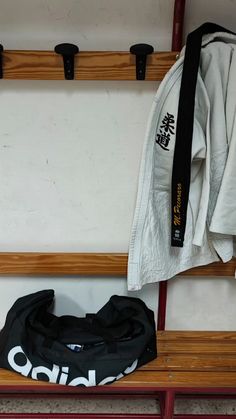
(70, 152)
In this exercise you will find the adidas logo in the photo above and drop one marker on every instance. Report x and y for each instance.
(58, 374)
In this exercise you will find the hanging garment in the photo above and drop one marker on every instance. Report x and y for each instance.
(192, 183)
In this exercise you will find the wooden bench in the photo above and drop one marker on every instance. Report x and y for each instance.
(188, 362)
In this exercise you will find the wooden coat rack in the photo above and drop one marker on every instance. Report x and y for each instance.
(99, 65)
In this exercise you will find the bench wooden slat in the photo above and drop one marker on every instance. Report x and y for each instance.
(206, 343)
(191, 379)
(144, 379)
(107, 264)
(196, 362)
(179, 347)
(172, 335)
(33, 263)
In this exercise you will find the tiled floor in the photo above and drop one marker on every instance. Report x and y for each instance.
(114, 406)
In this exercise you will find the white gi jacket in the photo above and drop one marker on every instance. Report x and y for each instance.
(211, 213)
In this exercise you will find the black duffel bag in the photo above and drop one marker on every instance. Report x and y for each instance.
(90, 351)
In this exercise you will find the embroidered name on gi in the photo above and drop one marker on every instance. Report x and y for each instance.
(177, 207)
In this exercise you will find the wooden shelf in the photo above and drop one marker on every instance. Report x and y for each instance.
(46, 65)
(104, 264)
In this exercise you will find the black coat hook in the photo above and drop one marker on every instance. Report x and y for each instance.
(141, 51)
(68, 52)
(1, 70)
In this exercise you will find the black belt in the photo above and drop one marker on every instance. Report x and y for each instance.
(181, 172)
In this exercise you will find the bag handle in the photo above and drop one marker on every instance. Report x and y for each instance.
(94, 327)
(181, 172)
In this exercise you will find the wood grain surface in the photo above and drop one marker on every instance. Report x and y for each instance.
(99, 65)
(100, 264)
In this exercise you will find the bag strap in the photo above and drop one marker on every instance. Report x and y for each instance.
(90, 325)
(181, 172)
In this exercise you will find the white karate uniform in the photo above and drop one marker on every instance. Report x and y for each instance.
(211, 215)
